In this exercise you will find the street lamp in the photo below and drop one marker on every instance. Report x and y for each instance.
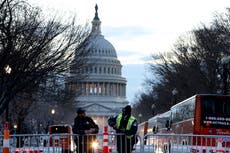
(8, 70)
(140, 116)
(52, 113)
(225, 61)
(203, 66)
(15, 128)
(174, 94)
(153, 108)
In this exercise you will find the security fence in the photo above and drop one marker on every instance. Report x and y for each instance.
(151, 143)
(186, 143)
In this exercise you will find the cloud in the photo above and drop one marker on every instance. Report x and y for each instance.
(132, 58)
(137, 28)
(125, 32)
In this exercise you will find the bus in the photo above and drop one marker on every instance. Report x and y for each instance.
(157, 123)
(200, 115)
(154, 125)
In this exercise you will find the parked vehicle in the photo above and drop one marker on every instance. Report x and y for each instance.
(62, 136)
(201, 114)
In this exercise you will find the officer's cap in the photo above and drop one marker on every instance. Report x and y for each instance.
(127, 109)
(80, 110)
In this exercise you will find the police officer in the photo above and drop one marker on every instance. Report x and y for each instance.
(84, 127)
(126, 128)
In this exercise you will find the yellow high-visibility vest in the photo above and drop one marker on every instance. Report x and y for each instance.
(130, 122)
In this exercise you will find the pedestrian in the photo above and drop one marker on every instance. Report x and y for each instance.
(85, 129)
(125, 126)
(155, 129)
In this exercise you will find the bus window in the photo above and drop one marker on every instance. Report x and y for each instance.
(183, 111)
(226, 108)
(215, 112)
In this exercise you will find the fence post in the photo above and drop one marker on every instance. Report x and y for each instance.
(142, 143)
(105, 140)
(219, 148)
(6, 141)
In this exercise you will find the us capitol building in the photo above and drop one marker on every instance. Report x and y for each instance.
(104, 88)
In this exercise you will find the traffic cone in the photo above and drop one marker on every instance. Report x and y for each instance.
(105, 140)
(6, 141)
(219, 148)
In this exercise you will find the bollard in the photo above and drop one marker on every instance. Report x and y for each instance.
(6, 141)
(105, 140)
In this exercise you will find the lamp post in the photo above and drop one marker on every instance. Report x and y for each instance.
(174, 94)
(153, 108)
(203, 66)
(8, 70)
(52, 113)
(225, 61)
(15, 128)
(140, 116)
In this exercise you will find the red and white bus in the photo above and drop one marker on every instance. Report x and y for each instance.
(202, 114)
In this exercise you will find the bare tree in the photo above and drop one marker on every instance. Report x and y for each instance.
(196, 67)
(34, 48)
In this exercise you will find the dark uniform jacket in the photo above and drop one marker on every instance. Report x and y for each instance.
(82, 124)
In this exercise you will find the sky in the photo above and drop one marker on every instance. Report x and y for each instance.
(139, 28)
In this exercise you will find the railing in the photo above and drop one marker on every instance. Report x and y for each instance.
(151, 143)
(186, 143)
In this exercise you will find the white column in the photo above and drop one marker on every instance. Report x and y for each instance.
(107, 90)
(87, 88)
(120, 87)
(98, 86)
(82, 88)
(102, 89)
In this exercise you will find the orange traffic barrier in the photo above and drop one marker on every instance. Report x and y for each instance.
(105, 140)
(219, 148)
(6, 140)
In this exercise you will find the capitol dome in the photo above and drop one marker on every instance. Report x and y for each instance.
(103, 91)
(102, 47)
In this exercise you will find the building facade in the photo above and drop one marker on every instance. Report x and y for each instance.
(103, 91)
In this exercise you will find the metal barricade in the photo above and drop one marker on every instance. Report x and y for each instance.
(38, 143)
(1, 143)
(185, 143)
(151, 143)
(95, 144)
(71, 143)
